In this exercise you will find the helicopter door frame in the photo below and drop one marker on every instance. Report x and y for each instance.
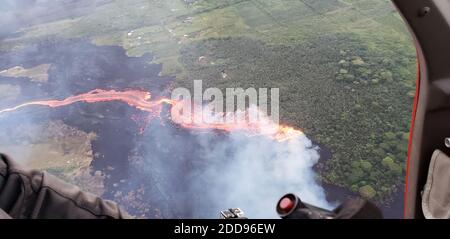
(429, 23)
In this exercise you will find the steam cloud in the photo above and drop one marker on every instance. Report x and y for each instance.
(203, 173)
(259, 172)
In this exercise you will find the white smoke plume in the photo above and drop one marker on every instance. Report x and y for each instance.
(259, 171)
(206, 172)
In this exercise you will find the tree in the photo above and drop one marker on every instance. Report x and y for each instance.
(387, 161)
(387, 76)
(358, 61)
(356, 174)
(367, 191)
(389, 135)
(366, 165)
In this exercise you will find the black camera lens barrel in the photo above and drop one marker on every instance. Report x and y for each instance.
(291, 206)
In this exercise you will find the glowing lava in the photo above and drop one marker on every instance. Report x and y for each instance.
(240, 122)
(141, 100)
(135, 98)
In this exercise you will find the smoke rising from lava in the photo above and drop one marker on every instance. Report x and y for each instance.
(253, 173)
(250, 167)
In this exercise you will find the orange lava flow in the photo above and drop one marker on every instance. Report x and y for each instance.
(263, 126)
(135, 98)
(141, 100)
(277, 132)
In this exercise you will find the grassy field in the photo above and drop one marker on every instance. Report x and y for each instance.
(345, 68)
